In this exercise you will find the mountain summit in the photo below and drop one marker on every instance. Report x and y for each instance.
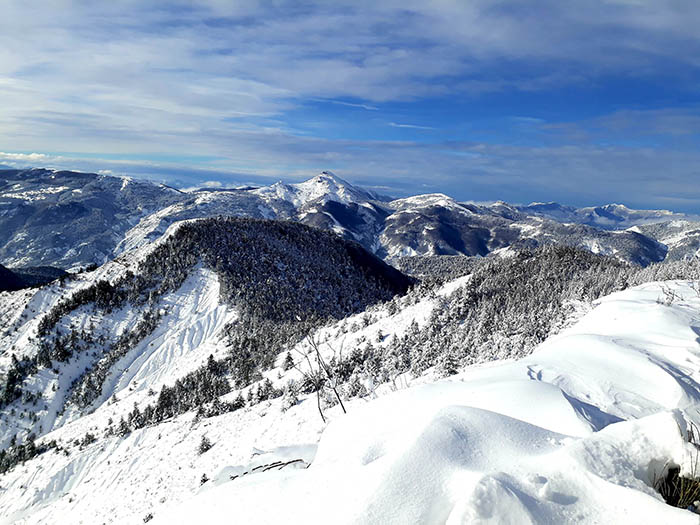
(322, 188)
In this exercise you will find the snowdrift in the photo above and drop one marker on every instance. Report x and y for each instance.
(575, 433)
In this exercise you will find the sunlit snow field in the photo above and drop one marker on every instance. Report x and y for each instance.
(575, 433)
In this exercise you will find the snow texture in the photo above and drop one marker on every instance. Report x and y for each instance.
(575, 433)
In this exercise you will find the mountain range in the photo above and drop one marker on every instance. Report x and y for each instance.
(70, 220)
(220, 354)
(220, 351)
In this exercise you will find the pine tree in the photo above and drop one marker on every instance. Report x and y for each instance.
(288, 363)
(123, 429)
(204, 445)
(448, 364)
(290, 396)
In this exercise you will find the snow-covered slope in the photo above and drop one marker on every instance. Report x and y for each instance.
(576, 433)
(438, 225)
(187, 334)
(68, 219)
(608, 217)
(682, 237)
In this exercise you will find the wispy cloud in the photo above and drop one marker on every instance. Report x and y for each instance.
(353, 105)
(25, 158)
(409, 126)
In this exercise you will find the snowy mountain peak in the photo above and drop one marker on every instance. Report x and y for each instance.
(328, 186)
(497, 205)
(325, 180)
(324, 187)
(331, 180)
(426, 199)
(615, 206)
(329, 175)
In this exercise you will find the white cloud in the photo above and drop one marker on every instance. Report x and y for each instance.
(352, 105)
(24, 157)
(410, 126)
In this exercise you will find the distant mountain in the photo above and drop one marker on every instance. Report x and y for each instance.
(681, 237)
(679, 232)
(323, 188)
(438, 225)
(70, 219)
(608, 217)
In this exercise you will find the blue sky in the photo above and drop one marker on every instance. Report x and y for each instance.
(583, 102)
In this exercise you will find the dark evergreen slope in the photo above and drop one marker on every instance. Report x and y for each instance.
(437, 268)
(9, 280)
(18, 278)
(284, 278)
(279, 270)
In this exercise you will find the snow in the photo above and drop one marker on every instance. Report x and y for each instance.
(125, 182)
(120, 480)
(427, 200)
(676, 238)
(100, 478)
(526, 228)
(577, 432)
(188, 333)
(156, 225)
(35, 195)
(148, 228)
(182, 342)
(21, 311)
(185, 337)
(594, 246)
(324, 187)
